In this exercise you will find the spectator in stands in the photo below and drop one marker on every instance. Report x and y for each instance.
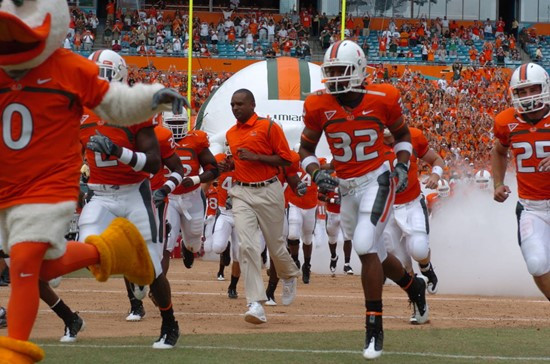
(88, 40)
(424, 51)
(116, 47)
(110, 9)
(538, 54)
(239, 47)
(500, 27)
(500, 56)
(270, 53)
(108, 33)
(234, 4)
(488, 29)
(67, 43)
(515, 28)
(382, 47)
(366, 24)
(259, 53)
(393, 48)
(270, 31)
(306, 50)
(325, 37)
(177, 44)
(445, 24)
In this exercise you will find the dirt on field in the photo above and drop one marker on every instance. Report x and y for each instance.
(326, 304)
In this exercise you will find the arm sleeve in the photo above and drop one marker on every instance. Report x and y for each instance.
(279, 143)
(311, 119)
(419, 142)
(501, 133)
(92, 89)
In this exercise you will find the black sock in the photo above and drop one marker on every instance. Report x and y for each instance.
(63, 311)
(425, 267)
(374, 315)
(220, 272)
(167, 314)
(307, 260)
(347, 259)
(405, 281)
(134, 302)
(271, 287)
(294, 257)
(234, 281)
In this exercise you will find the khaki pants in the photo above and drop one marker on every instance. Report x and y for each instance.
(263, 207)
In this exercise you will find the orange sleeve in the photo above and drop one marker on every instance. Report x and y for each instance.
(500, 130)
(311, 117)
(419, 142)
(203, 141)
(91, 88)
(279, 142)
(166, 142)
(394, 104)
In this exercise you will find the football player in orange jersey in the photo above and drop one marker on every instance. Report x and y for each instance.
(524, 128)
(186, 206)
(301, 217)
(121, 161)
(165, 181)
(45, 89)
(353, 116)
(406, 234)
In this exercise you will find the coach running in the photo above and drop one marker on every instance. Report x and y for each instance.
(259, 148)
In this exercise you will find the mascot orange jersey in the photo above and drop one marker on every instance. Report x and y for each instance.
(167, 148)
(309, 200)
(354, 137)
(529, 144)
(188, 149)
(109, 170)
(420, 148)
(225, 182)
(33, 108)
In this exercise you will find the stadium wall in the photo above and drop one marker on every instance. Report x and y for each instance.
(234, 65)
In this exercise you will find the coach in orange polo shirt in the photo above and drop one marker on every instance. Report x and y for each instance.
(259, 148)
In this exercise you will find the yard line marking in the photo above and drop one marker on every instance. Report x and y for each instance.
(309, 351)
(275, 314)
(358, 296)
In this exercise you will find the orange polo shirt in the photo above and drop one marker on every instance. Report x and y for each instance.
(259, 136)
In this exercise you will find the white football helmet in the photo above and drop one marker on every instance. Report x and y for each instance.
(349, 56)
(176, 123)
(112, 67)
(482, 179)
(530, 74)
(443, 188)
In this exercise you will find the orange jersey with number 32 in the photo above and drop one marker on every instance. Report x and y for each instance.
(355, 137)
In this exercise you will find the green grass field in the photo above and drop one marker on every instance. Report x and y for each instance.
(416, 345)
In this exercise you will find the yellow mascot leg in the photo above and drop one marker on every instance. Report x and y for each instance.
(14, 351)
(122, 250)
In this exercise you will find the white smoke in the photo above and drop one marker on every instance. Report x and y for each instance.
(474, 246)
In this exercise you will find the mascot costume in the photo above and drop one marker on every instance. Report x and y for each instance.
(43, 90)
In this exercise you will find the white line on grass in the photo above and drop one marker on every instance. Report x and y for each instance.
(275, 314)
(403, 298)
(310, 351)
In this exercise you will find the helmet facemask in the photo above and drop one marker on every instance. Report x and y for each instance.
(177, 125)
(530, 103)
(337, 82)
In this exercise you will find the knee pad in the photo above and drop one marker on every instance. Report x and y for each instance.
(293, 231)
(537, 266)
(418, 246)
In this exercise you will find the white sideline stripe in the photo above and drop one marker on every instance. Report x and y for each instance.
(273, 314)
(311, 351)
(403, 298)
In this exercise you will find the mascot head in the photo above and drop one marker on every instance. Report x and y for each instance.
(30, 31)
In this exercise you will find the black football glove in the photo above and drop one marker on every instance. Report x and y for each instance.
(324, 180)
(301, 188)
(159, 196)
(401, 171)
(102, 144)
(169, 95)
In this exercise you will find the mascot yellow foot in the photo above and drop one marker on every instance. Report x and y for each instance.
(14, 351)
(122, 250)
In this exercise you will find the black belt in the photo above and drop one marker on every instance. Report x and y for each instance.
(257, 184)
